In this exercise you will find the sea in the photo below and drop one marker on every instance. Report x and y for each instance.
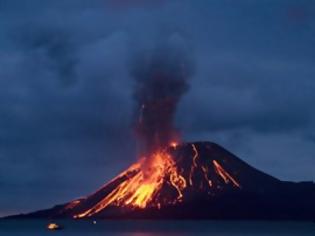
(157, 228)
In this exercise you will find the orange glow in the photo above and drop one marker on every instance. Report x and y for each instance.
(53, 226)
(194, 165)
(225, 175)
(72, 204)
(205, 174)
(140, 189)
(144, 183)
(174, 144)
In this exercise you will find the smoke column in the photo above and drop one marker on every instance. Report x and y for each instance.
(160, 81)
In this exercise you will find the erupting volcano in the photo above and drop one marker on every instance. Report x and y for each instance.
(175, 179)
(164, 182)
(191, 181)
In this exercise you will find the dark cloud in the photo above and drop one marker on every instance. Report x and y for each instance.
(66, 107)
(161, 79)
(262, 97)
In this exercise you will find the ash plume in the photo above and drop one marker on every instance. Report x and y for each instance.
(161, 79)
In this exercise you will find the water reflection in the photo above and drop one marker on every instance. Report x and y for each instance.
(159, 228)
(155, 234)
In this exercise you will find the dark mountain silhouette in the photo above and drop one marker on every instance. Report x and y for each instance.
(209, 183)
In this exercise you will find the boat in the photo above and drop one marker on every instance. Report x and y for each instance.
(54, 226)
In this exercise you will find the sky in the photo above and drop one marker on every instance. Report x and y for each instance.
(66, 91)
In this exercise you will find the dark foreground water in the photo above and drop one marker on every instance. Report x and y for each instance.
(158, 228)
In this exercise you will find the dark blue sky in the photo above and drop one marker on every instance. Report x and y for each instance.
(66, 103)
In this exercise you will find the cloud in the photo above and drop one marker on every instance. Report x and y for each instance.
(262, 95)
(66, 91)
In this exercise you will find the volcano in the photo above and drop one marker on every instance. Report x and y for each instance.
(198, 180)
(188, 180)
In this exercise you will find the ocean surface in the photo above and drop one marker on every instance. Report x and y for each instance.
(157, 228)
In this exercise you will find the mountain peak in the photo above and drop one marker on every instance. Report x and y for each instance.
(192, 180)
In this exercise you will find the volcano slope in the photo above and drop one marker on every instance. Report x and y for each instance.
(198, 180)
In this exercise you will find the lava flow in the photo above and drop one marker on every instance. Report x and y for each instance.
(160, 178)
(199, 180)
(141, 188)
(164, 182)
(179, 180)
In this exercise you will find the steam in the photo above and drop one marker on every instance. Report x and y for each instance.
(161, 79)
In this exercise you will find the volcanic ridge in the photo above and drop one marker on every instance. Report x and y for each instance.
(198, 180)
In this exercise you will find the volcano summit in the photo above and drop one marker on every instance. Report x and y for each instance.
(186, 180)
(192, 181)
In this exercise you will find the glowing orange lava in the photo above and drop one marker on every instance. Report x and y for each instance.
(224, 174)
(139, 190)
(174, 144)
(160, 180)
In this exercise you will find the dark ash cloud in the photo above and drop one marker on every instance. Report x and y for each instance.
(161, 79)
